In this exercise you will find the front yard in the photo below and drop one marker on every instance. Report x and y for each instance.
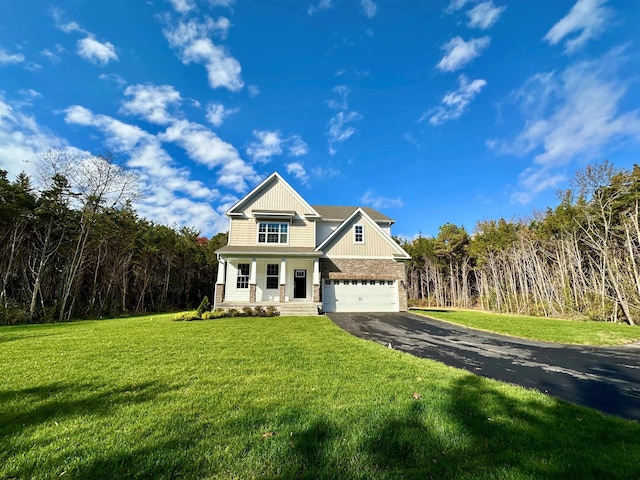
(539, 328)
(284, 397)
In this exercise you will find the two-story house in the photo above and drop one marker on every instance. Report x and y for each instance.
(283, 251)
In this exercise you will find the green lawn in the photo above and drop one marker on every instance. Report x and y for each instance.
(275, 398)
(539, 328)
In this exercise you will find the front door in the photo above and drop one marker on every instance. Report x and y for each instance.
(299, 284)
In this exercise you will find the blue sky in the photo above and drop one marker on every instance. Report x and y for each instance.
(430, 111)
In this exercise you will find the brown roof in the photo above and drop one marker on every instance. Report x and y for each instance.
(269, 250)
(342, 213)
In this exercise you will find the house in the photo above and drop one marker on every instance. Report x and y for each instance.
(282, 251)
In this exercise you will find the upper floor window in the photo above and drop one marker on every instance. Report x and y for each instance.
(358, 234)
(273, 232)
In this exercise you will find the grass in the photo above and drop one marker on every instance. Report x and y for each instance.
(538, 328)
(276, 398)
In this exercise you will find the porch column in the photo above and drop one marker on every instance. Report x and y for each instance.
(252, 281)
(220, 282)
(283, 279)
(316, 280)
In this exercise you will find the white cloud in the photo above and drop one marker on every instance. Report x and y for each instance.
(207, 148)
(342, 93)
(22, 140)
(169, 195)
(297, 170)
(220, 3)
(380, 202)
(455, 103)
(369, 8)
(96, 52)
(297, 146)
(321, 5)
(266, 145)
(271, 143)
(183, 6)
(338, 129)
(571, 116)
(113, 77)
(325, 173)
(151, 102)
(484, 15)
(253, 90)
(216, 113)
(584, 21)
(456, 5)
(532, 181)
(459, 53)
(192, 41)
(10, 58)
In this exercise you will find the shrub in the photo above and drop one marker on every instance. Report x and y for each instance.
(259, 312)
(13, 314)
(186, 316)
(247, 311)
(204, 306)
(272, 311)
(212, 315)
(233, 312)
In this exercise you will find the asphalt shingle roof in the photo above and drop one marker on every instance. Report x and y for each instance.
(342, 213)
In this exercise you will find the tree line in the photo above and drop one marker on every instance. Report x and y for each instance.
(75, 248)
(580, 259)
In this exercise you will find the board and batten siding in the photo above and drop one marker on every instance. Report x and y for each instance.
(233, 294)
(302, 232)
(277, 197)
(375, 245)
(262, 293)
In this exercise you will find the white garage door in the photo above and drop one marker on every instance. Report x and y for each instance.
(360, 296)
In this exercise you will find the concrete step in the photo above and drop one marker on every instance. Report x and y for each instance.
(298, 309)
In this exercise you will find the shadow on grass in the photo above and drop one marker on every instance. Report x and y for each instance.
(477, 431)
(484, 434)
(58, 402)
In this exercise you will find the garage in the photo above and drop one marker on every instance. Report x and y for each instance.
(360, 296)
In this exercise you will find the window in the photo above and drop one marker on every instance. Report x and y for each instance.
(272, 276)
(358, 234)
(243, 276)
(273, 232)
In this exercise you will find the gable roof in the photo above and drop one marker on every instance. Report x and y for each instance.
(344, 225)
(342, 213)
(236, 209)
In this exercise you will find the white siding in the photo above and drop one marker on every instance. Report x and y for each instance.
(262, 293)
(375, 244)
(324, 229)
(233, 294)
(299, 264)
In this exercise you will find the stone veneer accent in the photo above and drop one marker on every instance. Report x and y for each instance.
(367, 269)
(283, 292)
(219, 293)
(316, 293)
(252, 293)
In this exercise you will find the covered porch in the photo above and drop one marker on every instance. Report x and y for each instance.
(267, 279)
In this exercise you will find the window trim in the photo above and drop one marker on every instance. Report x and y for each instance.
(241, 278)
(279, 233)
(270, 276)
(361, 234)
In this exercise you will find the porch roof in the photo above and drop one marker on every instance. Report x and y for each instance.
(269, 250)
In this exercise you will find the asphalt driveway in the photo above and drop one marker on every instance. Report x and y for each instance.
(607, 379)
